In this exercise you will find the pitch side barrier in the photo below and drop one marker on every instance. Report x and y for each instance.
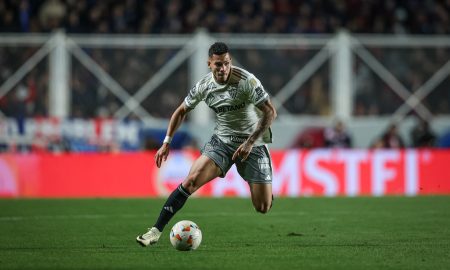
(319, 172)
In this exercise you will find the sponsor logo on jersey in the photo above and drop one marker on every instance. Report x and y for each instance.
(237, 139)
(259, 92)
(228, 108)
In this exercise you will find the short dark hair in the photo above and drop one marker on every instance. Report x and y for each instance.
(218, 48)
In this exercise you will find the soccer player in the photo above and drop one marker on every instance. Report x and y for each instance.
(244, 114)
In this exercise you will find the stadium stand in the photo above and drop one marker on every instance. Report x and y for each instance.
(233, 16)
(90, 99)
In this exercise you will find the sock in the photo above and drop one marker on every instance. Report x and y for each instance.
(174, 203)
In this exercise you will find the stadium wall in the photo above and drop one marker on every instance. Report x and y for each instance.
(319, 172)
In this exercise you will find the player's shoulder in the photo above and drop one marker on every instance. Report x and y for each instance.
(250, 80)
(240, 73)
(241, 76)
(204, 82)
(206, 79)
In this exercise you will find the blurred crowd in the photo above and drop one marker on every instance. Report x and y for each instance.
(91, 98)
(236, 16)
(421, 135)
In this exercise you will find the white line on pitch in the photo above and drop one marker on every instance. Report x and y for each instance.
(101, 216)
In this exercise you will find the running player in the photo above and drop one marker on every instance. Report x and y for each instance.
(244, 115)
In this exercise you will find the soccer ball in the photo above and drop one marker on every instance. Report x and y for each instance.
(185, 235)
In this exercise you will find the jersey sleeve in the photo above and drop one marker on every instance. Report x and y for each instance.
(257, 93)
(194, 97)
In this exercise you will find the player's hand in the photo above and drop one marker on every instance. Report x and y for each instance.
(162, 154)
(243, 151)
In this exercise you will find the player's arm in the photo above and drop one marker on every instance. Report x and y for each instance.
(268, 115)
(175, 121)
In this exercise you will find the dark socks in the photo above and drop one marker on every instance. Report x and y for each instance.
(174, 203)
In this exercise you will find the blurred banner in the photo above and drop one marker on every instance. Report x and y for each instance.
(320, 172)
(42, 134)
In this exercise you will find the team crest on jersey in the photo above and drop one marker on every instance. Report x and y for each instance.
(233, 92)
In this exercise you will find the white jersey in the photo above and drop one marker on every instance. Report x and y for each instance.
(234, 105)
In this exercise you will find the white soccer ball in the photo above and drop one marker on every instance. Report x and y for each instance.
(185, 235)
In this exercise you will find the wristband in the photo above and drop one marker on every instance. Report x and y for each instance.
(167, 139)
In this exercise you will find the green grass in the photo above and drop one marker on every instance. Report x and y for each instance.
(299, 233)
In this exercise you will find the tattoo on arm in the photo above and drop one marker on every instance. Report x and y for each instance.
(264, 123)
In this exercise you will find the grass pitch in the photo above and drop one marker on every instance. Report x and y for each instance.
(298, 233)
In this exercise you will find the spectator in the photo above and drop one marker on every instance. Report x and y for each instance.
(390, 139)
(51, 14)
(24, 15)
(280, 16)
(422, 135)
(9, 22)
(337, 136)
(311, 137)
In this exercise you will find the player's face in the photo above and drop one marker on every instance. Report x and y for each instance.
(220, 66)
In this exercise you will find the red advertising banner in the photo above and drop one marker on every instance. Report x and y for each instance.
(319, 172)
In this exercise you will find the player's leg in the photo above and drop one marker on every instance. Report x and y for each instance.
(202, 171)
(261, 196)
(257, 171)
